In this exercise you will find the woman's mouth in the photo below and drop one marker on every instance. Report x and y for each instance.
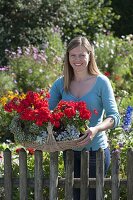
(77, 64)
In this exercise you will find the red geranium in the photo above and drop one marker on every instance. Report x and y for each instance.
(72, 113)
(34, 109)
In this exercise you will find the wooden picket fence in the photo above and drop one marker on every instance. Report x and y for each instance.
(54, 181)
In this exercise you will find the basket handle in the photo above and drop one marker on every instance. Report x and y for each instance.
(51, 139)
(50, 128)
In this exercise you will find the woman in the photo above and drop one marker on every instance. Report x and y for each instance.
(82, 81)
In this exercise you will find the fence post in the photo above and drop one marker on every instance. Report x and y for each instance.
(130, 174)
(53, 176)
(23, 174)
(84, 175)
(115, 176)
(7, 175)
(69, 175)
(38, 175)
(99, 175)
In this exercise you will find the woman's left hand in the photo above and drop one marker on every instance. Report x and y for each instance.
(92, 131)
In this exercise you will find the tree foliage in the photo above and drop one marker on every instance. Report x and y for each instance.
(123, 26)
(25, 22)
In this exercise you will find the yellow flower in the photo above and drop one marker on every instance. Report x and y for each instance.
(3, 100)
(9, 96)
(117, 147)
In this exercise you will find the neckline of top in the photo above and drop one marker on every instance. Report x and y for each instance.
(83, 81)
(87, 91)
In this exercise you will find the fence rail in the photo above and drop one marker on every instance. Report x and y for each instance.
(39, 181)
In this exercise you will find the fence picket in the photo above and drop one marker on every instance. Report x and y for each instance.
(39, 181)
(7, 175)
(84, 175)
(53, 176)
(69, 175)
(23, 174)
(115, 176)
(38, 176)
(99, 175)
(130, 174)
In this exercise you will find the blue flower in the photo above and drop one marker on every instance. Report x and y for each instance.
(127, 120)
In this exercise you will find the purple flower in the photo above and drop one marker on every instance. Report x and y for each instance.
(121, 144)
(35, 56)
(27, 51)
(116, 151)
(35, 50)
(19, 51)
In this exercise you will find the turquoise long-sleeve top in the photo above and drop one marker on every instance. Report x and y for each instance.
(100, 97)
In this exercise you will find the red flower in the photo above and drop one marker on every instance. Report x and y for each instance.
(47, 95)
(117, 77)
(107, 74)
(70, 112)
(85, 114)
(1, 158)
(56, 124)
(31, 151)
(75, 113)
(18, 150)
(95, 112)
(34, 108)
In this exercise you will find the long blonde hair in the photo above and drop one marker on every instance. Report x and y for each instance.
(68, 70)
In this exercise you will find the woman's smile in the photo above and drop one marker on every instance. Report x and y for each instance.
(79, 58)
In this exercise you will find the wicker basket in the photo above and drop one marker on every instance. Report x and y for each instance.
(52, 145)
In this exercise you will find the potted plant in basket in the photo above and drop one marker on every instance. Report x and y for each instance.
(35, 125)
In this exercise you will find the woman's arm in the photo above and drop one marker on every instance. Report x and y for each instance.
(108, 123)
(109, 105)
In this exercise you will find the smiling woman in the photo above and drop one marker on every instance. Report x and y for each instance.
(82, 81)
(79, 59)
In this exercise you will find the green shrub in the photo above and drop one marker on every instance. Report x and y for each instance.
(114, 57)
(34, 68)
(6, 81)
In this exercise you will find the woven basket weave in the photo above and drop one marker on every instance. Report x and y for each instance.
(52, 145)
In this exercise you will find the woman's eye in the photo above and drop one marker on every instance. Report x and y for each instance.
(72, 56)
(82, 56)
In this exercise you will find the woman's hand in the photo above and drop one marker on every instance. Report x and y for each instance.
(92, 131)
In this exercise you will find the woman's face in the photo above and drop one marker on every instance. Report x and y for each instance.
(79, 59)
